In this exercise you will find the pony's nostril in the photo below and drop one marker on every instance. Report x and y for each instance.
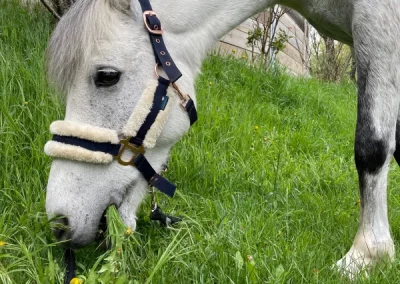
(60, 227)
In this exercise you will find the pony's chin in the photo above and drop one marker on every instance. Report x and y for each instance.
(77, 240)
(75, 245)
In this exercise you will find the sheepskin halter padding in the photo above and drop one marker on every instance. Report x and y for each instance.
(103, 135)
(84, 131)
(140, 112)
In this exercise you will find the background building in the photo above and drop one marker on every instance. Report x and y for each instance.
(295, 54)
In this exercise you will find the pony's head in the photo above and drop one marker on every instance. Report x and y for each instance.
(101, 60)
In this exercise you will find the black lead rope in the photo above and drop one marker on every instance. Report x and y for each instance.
(69, 259)
(156, 214)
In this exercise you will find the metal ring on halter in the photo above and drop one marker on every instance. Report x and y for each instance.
(126, 144)
(153, 198)
(184, 98)
(155, 71)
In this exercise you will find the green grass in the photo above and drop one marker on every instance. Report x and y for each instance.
(267, 172)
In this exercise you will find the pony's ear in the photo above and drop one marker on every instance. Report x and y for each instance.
(121, 5)
(128, 7)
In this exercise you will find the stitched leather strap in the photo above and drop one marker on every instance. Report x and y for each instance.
(161, 53)
(191, 110)
(152, 177)
(145, 4)
(160, 101)
(108, 148)
(141, 163)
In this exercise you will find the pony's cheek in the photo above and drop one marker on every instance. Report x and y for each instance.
(177, 125)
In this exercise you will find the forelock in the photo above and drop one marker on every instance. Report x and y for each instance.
(77, 35)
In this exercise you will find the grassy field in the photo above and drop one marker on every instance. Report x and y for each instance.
(266, 178)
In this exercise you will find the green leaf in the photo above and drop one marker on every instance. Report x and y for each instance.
(105, 267)
(239, 260)
(279, 271)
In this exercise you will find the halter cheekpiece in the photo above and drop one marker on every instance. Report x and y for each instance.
(83, 142)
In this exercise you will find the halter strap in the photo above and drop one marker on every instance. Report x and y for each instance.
(159, 103)
(163, 58)
(161, 54)
(108, 148)
(145, 4)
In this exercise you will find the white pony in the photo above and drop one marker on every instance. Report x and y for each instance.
(101, 58)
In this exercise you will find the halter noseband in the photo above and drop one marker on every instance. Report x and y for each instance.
(160, 100)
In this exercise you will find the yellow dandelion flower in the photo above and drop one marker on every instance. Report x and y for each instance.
(128, 232)
(244, 56)
(75, 281)
(25, 103)
(210, 83)
(358, 202)
(2, 243)
(233, 51)
(256, 127)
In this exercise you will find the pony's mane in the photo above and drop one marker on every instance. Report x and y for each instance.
(77, 35)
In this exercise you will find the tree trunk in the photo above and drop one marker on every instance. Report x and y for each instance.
(329, 68)
(353, 68)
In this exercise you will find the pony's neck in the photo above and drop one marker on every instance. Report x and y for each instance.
(195, 26)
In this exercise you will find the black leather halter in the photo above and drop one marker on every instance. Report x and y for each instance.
(135, 144)
(160, 100)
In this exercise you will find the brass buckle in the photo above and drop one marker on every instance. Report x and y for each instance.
(134, 148)
(184, 97)
(156, 31)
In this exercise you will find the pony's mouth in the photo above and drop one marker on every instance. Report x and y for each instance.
(69, 238)
(101, 231)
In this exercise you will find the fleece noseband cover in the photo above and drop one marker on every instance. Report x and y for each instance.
(65, 128)
(108, 137)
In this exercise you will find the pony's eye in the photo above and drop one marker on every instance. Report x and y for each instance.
(106, 77)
